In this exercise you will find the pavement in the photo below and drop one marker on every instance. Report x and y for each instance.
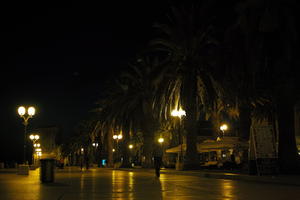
(107, 183)
(274, 179)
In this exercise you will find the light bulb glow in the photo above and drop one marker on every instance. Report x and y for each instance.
(224, 127)
(31, 111)
(161, 140)
(178, 113)
(21, 110)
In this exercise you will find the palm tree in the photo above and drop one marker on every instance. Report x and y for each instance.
(189, 41)
(268, 69)
(130, 104)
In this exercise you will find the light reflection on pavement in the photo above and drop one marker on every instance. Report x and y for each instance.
(115, 184)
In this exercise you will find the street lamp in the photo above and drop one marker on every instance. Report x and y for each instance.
(25, 116)
(36, 145)
(130, 146)
(95, 151)
(95, 144)
(223, 128)
(160, 140)
(179, 113)
(38, 152)
(117, 138)
(34, 138)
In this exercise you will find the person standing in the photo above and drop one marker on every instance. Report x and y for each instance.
(157, 155)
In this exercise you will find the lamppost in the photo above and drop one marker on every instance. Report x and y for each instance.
(38, 151)
(34, 138)
(223, 128)
(95, 144)
(117, 138)
(179, 113)
(25, 116)
(36, 145)
(130, 153)
(160, 140)
(95, 150)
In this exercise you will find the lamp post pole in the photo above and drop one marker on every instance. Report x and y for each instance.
(25, 115)
(130, 152)
(179, 113)
(95, 151)
(223, 128)
(25, 141)
(117, 137)
(161, 141)
(34, 138)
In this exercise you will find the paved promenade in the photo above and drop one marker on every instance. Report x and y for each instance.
(71, 183)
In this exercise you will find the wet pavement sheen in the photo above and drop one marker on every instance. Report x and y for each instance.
(116, 184)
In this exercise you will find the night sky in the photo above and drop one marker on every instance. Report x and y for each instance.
(58, 57)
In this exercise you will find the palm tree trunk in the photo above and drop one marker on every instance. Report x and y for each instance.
(244, 122)
(191, 157)
(287, 149)
(125, 150)
(147, 151)
(189, 102)
(109, 148)
(148, 135)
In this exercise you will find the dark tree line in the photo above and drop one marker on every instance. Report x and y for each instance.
(213, 59)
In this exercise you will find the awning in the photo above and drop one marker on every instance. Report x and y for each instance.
(176, 149)
(212, 145)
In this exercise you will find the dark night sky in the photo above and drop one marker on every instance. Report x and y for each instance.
(58, 56)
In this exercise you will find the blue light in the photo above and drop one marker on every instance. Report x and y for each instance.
(103, 162)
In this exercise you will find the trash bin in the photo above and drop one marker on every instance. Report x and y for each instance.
(47, 170)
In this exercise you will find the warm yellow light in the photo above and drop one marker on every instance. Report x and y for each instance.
(224, 127)
(82, 149)
(130, 146)
(38, 149)
(37, 145)
(34, 137)
(178, 113)
(113, 150)
(120, 136)
(21, 110)
(95, 144)
(31, 111)
(115, 137)
(161, 140)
